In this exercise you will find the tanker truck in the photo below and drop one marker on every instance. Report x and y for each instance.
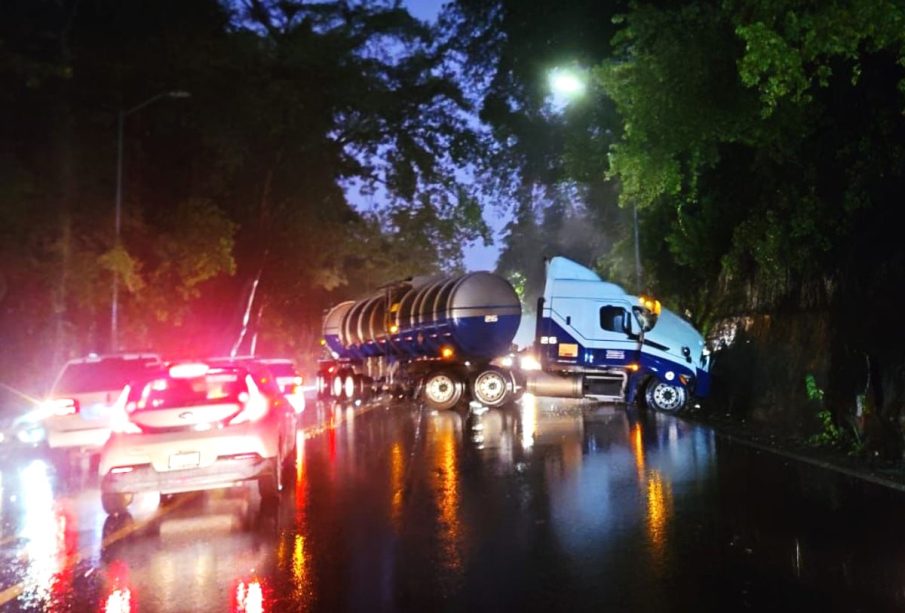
(445, 339)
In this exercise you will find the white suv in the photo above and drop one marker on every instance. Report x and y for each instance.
(77, 415)
(198, 426)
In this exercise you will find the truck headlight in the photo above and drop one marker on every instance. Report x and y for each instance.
(529, 362)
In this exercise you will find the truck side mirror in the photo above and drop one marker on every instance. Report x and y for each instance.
(646, 318)
(631, 325)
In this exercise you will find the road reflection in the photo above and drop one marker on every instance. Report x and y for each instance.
(540, 505)
(397, 475)
(295, 534)
(249, 597)
(119, 598)
(658, 493)
(444, 431)
(51, 535)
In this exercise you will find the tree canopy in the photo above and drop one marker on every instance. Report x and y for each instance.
(293, 105)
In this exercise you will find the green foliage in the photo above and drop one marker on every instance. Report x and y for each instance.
(119, 263)
(518, 282)
(815, 394)
(830, 435)
(291, 104)
(195, 245)
(789, 53)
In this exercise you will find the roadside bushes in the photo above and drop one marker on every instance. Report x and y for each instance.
(758, 376)
(809, 376)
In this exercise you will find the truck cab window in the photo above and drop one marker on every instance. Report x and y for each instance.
(612, 318)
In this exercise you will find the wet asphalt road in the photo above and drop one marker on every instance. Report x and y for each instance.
(537, 507)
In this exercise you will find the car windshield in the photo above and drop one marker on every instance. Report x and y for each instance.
(216, 387)
(108, 374)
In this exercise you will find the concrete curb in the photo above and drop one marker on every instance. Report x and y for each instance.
(805, 459)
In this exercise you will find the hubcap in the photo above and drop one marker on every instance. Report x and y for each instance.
(668, 397)
(440, 389)
(489, 387)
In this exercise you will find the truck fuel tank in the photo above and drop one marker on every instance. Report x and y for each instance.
(541, 383)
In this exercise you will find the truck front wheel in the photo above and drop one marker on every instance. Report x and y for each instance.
(665, 397)
(442, 390)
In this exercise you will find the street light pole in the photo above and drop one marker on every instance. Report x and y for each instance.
(118, 210)
(638, 287)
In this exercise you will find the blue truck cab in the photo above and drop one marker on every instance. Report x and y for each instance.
(595, 340)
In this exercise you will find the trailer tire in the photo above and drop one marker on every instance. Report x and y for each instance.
(336, 385)
(442, 390)
(349, 386)
(492, 387)
(665, 397)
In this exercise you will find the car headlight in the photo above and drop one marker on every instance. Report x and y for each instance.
(31, 436)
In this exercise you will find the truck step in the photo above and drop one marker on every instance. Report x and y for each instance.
(604, 387)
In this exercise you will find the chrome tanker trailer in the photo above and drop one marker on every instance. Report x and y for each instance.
(434, 336)
(441, 338)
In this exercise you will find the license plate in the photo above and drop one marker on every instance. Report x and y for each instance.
(185, 460)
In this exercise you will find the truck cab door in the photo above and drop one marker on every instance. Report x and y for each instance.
(595, 332)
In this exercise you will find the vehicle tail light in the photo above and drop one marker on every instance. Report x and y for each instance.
(290, 385)
(255, 404)
(61, 406)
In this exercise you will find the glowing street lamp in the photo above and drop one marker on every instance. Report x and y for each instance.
(567, 83)
(121, 120)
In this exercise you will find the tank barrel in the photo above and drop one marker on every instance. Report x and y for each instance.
(473, 315)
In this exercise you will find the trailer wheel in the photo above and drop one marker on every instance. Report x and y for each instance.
(349, 386)
(665, 397)
(442, 390)
(336, 385)
(492, 387)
